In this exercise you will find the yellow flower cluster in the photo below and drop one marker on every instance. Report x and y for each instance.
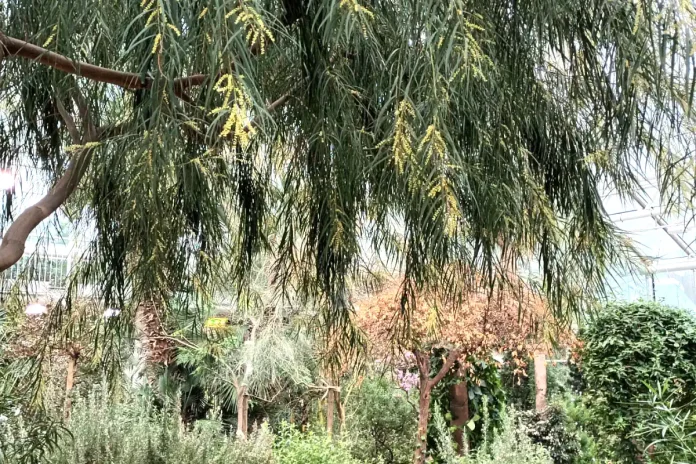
(364, 15)
(353, 5)
(402, 149)
(473, 56)
(256, 28)
(156, 43)
(436, 150)
(154, 12)
(237, 122)
(86, 146)
(450, 209)
(157, 11)
(51, 37)
(435, 143)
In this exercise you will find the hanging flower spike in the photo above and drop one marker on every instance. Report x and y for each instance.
(402, 149)
(363, 14)
(48, 41)
(256, 28)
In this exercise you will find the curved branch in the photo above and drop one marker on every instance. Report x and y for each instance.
(12, 47)
(14, 240)
(449, 362)
(69, 121)
(254, 123)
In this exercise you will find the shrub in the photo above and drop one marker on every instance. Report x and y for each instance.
(133, 432)
(628, 347)
(381, 424)
(294, 447)
(510, 446)
(595, 445)
(550, 430)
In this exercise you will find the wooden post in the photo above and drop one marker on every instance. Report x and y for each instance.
(330, 406)
(540, 380)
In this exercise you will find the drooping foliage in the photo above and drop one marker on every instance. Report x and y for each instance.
(437, 133)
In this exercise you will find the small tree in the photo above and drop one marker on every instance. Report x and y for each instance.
(505, 317)
(629, 347)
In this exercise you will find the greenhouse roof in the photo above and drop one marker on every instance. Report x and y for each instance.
(665, 242)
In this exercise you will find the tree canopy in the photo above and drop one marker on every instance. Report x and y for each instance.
(505, 320)
(442, 135)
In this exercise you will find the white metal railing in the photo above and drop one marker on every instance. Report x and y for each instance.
(51, 271)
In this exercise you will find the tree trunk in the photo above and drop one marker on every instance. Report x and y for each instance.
(423, 361)
(459, 405)
(242, 413)
(330, 406)
(341, 412)
(152, 350)
(423, 418)
(70, 382)
(425, 391)
(540, 380)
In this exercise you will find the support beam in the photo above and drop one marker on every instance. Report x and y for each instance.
(661, 221)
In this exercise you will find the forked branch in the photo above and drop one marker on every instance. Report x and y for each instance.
(14, 239)
(449, 362)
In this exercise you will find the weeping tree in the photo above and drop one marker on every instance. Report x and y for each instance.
(443, 135)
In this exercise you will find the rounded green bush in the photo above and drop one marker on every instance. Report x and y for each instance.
(629, 347)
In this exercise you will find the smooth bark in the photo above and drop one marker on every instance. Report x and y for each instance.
(242, 413)
(13, 47)
(330, 408)
(14, 239)
(540, 381)
(69, 383)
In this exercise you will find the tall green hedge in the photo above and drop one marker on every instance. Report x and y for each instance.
(628, 347)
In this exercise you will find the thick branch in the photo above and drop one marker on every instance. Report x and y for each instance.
(449, 362)
(14, 240)
(69, 122)
(19, 48)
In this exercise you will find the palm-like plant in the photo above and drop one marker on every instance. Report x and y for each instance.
(263, 351)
